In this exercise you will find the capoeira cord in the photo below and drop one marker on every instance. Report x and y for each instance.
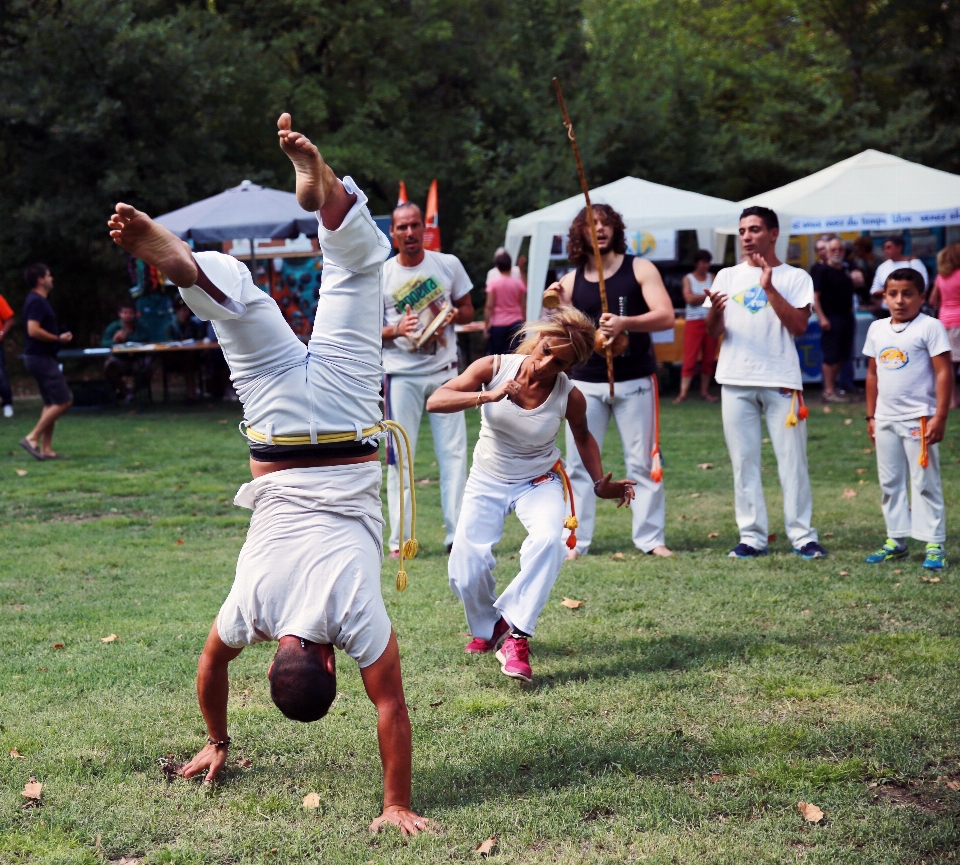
(408, 548)
(656, 471)
(795, 417)
(924, 460)
(570, 522)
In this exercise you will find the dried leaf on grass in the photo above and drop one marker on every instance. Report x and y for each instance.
(848, 421)
(486, 848)
(714, 535)
(695, 495)
(57, 646)
(716, 777)
(844, 573)
(32, 789)
(811, 813)
(21, 472)
(771, 538)
(849, 494)
(828, 534)
(897, 571)
(953, 785)
(930, 579)
(618, 557)
(425, 482)
(16, 754)
(111, 639)
(827, 409)
(704, 466)
(862, 471)
(179, 542)
(126, 860)
(438, 703)
(244, 763)
(571, 603)
(170, 767)
(867, 451)
(311, 801)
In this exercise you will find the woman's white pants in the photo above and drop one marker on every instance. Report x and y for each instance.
(486, 503)
(923, 517)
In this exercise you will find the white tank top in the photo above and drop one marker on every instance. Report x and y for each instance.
(694, 313)
(518, 444)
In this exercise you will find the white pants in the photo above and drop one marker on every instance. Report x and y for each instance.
(633, 409)
(898, 455)
(405, 397)
(486, 503)
(741, 408)
(333, 383)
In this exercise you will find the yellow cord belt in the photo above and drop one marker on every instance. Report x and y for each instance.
(408, 548)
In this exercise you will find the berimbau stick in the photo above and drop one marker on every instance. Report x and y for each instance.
(608, 348)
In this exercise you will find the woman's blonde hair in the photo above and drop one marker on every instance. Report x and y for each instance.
(948, 259)
(567, 323)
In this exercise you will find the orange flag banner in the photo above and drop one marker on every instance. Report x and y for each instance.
(402, 197)
(431, 232)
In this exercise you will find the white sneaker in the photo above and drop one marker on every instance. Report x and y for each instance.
(8, 411)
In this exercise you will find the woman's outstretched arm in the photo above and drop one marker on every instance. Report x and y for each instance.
(465, 392)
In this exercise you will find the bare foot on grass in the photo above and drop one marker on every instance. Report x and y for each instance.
(661, 551)
(573, 554)
(314, 177)
(143, 238)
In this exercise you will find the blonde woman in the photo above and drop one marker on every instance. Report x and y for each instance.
(523, 399)
(946, 298)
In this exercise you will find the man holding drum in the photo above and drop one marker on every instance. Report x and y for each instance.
(639, 304)
(424, 294)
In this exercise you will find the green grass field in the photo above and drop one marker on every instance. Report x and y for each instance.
(679, 716)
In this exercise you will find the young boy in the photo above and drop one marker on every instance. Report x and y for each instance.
(909, 388)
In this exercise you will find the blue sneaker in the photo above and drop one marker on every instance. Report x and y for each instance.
(936, 558)
(891, 549)
(811, 550)
(745, 551)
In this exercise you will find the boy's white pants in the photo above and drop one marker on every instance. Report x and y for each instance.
(898, 459)
(486, 503)
(633, 409)
(406, 397)
(741, 409)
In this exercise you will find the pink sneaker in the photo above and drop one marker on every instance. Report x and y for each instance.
(513, 657)
(394, 554)
(478, 645)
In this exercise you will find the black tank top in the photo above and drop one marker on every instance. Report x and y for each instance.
(624, 297)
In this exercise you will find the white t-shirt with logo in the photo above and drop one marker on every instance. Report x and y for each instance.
(438, 281)
(889, 266)
(757, 350)
(906, 381)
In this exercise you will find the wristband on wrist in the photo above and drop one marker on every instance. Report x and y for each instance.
(479, 397)
(868, 417)
(225, 743)
(596, 486)
(396, 330)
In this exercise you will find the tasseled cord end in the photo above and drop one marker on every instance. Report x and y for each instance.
(410, 549)
(571, 523)
(792, 420)
(804, 412)
(401, 580)
(656, 473)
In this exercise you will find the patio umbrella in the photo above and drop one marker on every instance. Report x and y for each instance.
(245, 211)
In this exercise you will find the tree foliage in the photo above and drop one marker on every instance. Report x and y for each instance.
(161, 103)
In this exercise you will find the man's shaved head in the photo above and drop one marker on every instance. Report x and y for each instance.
(301, 685)
(406, 206)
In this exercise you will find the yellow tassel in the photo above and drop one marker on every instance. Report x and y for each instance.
(401, 580)
(410, 548)
(792, 417)
(570, 523)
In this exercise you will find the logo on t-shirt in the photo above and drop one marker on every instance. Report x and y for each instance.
(753, 299)
(419, 293)
(893, 358)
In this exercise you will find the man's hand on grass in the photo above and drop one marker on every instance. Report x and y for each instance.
(409, 822)
(211, 759)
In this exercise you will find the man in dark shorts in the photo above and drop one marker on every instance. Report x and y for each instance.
(40, 358)
(833, 304)
(639, 304)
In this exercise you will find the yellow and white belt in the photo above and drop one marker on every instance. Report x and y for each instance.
(409, 547)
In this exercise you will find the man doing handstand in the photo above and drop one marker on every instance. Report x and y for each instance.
(308, 575)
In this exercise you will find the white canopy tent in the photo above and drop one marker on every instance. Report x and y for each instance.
(646, 208)
(871, 191)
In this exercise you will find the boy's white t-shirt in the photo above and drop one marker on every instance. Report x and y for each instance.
(906, 381)
(757, 350)
(438, 280)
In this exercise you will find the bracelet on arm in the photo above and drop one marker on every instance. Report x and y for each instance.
(868, 417)
(479, 397)
(396, 330)
(596, 486)
(218, 745)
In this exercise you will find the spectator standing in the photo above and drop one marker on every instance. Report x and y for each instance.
(760, 306)
(833, 304)
(505, 310)
(820, 249)
(946, 297)
(696, 341)
(117, 368)
(6, 323)
(424, 294)
(515, 271)
(44, 339)
(895, 257)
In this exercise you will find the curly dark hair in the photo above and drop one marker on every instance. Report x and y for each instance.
(579, 247)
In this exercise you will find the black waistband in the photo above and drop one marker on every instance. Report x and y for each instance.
(338, 450)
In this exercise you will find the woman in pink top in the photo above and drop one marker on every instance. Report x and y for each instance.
(505, 310)
(946, 296)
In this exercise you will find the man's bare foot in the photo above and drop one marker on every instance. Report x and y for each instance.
(573, 554)
(314, 177)
(143, 238)
(681, 398)
(709, 397)
(661, 551)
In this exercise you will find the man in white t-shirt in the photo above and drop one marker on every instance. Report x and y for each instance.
(424, 294)
(893, 248)
(760, 307)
